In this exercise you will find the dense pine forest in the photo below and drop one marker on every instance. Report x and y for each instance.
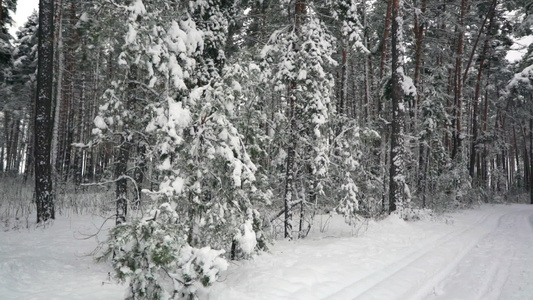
(215, 126)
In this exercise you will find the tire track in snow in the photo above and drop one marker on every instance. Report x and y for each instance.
(393, 281)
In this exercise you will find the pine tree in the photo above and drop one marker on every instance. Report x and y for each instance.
(174, 64)
(297, 59)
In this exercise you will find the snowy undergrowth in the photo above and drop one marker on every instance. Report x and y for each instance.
(15, 204)
(154, 257)
(17, 208)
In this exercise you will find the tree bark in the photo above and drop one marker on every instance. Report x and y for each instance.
(396, 171)
(386, 33)
(43, 106)
(472, 159)
(458, 82)
(300, 11)
(530, 155)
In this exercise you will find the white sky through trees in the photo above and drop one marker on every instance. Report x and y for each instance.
(24, 10)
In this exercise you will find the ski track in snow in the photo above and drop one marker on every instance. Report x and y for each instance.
(480, 254)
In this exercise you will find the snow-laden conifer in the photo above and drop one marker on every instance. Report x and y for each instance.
(206, 176)
(296, 60)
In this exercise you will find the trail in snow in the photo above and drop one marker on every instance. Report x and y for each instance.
(482, 255)
(477, 254)
(499, 266)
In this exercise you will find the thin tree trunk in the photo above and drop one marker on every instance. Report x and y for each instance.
(342, 96)
(58, 91)
(419, 36)
(531, 156)
(121, 191)
(517, 153)
(289, 176)
(121, 163)
(29, 164)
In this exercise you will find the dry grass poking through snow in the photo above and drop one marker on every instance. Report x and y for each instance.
(17, 205)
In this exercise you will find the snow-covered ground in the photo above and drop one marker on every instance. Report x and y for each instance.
(483, 253)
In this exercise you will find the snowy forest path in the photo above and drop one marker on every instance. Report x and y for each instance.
(482, 253)
(474, 262)
(498, 267)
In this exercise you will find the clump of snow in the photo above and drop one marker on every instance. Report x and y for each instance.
(84, 17)
(246, 238)
(201, 267)
(100, 123)
(179, 117)
(172, 185)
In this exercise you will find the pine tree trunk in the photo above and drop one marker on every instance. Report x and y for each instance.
(43, 107)
(58, 90)
(457, 139)
(342, 94)
(386, 33)
(121, 191)
(530, 157)
(29, 163)
(482, 57)
(396, 186)
(121, 163)
(300, 11)
(419, 30)
(289, 176)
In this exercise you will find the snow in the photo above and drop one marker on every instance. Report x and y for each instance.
(519, 48)
(55, 262)
(99, 122)
(482, 253)
(84, 17)
(247, 240)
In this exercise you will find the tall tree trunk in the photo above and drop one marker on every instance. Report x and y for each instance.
(530, 156)
(397, 163)
(58, 90)
(43, 107)
(121, 163)
(459, 80)
(386, 33)
(419, 29)
(300, 11)
(527, 164)
(289, 176)
(517, 154)
(482, 57)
